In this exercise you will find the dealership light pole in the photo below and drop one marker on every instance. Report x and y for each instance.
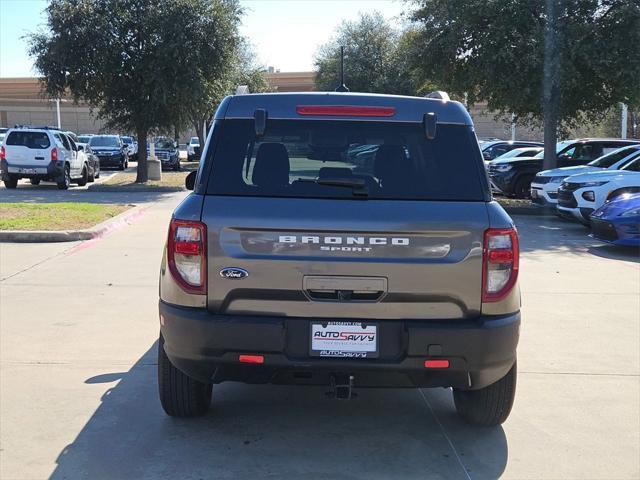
(58, 112)
(623, 123)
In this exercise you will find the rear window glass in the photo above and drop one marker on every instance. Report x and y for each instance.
(36, 140)
(318, 159)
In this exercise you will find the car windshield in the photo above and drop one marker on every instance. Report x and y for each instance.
(84, 138)
(164, 143)
(37, 140)
(320, 159)
(104, 141)
(127, 140)
(194, 140)
(610, 159)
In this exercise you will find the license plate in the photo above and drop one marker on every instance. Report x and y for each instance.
(27, 170)
(344, 339)
(534, 193)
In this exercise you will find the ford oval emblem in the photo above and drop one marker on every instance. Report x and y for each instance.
(234, 273)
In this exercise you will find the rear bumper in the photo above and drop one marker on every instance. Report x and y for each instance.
(48, 171)
(206, 347)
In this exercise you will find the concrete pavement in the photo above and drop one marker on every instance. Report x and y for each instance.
(78, 332)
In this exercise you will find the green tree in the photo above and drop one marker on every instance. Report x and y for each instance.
(374, 59)
(494, 50)
(242, 69)
(139, 63)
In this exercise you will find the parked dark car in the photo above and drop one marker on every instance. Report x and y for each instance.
(167, 152)
(93, 162)
(491, 150)
(110, 150)
(513, 176)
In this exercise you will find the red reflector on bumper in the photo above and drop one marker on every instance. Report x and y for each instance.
(436, 364)
(501, 256)
(188, 248)
(251, 359)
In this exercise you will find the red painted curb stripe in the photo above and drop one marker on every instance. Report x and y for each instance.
(134, 215)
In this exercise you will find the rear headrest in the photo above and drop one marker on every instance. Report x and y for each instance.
(272, 166)
(335, 172)
(389, 158)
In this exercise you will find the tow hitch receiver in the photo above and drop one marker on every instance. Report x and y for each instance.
(342, 387)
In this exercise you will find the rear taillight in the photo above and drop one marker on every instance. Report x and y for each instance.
(54, 154)
(3, 154)
(500, 258)
(187, 255)
(345, 111)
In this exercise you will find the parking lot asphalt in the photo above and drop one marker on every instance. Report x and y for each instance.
(78, 333)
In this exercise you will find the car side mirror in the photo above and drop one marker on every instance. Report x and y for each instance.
(190, 181)
(486, 155)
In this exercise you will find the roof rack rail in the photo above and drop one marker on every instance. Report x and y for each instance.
(439, 94)
(37, 127)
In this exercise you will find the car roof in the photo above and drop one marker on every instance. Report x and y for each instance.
(283, 106)
(604, 139)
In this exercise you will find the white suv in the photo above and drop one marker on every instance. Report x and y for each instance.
(193, 149)
(42, 154)
(580, 195)
(544, 187)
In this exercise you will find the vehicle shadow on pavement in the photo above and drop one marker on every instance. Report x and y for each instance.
(629, 254)
(278, 432)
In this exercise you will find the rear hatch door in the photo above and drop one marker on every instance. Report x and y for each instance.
(27, 148)
(337, 259)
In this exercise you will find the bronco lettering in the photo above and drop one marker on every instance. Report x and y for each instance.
(350, 240)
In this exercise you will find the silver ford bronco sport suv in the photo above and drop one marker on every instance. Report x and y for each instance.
(346, 240)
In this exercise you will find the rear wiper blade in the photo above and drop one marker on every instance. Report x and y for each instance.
(358, 185)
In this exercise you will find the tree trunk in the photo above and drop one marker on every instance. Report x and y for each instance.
(551, 94)
(142, 174)
(198, 129)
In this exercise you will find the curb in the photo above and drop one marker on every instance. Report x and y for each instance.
(49, 236)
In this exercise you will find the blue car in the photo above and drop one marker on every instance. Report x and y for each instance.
(618, 221)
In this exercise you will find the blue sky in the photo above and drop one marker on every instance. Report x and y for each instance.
(285, 33)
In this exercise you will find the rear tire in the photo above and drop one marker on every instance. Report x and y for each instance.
(11, 182)
(65, 181)
(82, 181)
(180, 395)
(34, 181)
(489, 406)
